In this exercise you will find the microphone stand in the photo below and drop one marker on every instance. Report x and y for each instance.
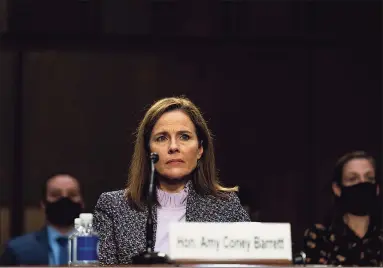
(149, 256)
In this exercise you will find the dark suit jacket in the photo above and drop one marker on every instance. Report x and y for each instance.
(122, 229)
(29, 249)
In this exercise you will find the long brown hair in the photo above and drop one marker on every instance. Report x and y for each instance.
(204, 179)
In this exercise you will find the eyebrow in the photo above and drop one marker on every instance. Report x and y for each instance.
(54, 190)
(356, 173)
(68, 189)
(178, 132)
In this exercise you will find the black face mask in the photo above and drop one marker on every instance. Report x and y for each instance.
(62, 212)
(359, 199)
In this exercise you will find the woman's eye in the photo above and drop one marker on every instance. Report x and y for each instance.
(185, 137)
(352, 179)
(160, 138)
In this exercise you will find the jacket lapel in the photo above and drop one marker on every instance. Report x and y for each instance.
(196, 206)
(143, 224)
(154, 225)
(42, 252)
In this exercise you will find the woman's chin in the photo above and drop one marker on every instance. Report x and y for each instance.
(174, 177)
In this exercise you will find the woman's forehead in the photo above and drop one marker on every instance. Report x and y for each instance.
(173, 121)
(358, 165)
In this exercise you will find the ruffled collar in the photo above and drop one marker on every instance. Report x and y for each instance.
(172, 200)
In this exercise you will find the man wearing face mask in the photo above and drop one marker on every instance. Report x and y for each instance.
(353, 236)
(62, 202)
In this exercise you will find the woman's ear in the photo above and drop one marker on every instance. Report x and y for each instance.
(336, 189)
(200, 149)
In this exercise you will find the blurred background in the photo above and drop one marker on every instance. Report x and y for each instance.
(287, 88)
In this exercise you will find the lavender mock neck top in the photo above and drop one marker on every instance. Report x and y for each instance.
(172, 209)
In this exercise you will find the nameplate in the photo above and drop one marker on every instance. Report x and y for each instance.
(230, 241)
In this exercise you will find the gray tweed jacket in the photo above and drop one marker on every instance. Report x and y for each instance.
(122, 229)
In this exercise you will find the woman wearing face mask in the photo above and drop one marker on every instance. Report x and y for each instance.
(187, 187)
(354, 235)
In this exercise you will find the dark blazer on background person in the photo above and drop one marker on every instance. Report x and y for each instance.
(122, 229)
(29, 249)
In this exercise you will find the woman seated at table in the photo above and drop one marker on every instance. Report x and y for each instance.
(187, 185)
(354, 236)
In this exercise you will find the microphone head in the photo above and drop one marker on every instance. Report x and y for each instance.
(154, 157)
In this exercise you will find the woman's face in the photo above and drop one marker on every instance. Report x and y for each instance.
(175, 140)
(358, 171)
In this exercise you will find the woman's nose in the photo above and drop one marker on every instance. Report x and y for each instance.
(173, 146)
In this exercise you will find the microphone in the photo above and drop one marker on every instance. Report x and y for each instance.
(149, 256)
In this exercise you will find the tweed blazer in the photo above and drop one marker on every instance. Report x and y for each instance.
(122, 229)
